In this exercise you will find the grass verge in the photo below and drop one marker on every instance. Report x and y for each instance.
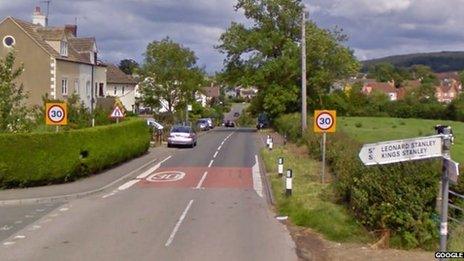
(311, 204)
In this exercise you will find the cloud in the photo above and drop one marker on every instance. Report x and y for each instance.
(388, 27)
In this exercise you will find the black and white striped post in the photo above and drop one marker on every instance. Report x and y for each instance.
(280, 166)
(271, 144)
(268, 140)
(288, 183)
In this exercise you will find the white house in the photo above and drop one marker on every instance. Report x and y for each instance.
(122, 86)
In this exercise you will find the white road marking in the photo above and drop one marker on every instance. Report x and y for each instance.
(9, 243)
(220, 147)
(5, 228)
(19, 237)
(210, 163)
(257, 183)
(148, 172)
(18, 222)
(28, 216)
(109, 195)
(171, 237)
(215, 154)
(202, 180)
(34, 227)
(64, 209)
(40, 210)
(128, 184)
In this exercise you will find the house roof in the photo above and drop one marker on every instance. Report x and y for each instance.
(116, 76)
(82, 44)
(43, 34)
(212, 92)
(448, 76)
(382, 86)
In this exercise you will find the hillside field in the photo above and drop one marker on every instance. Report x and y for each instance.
(373, 129)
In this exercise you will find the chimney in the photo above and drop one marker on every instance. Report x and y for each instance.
(71, 28)
(38, 18)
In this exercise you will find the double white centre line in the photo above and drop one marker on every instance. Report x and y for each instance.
(179, 222)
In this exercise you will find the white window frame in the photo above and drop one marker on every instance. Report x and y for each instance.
(64, 86)
(87, 88)
(64, 48)
(76, 86)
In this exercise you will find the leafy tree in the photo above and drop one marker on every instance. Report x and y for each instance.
(267, 55)
(128, 66)
(13, 111)
(386, 72)
(170, 75)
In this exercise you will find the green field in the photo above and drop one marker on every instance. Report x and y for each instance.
(373, 129)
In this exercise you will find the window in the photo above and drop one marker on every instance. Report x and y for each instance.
(64, 86)
(76, 86)
(123, 90)
(87, 88)
(100, 90)
(96, 90)
(64, 48)
(115, 90)
(8, 41)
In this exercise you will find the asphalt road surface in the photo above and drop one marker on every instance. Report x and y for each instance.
(206, 203)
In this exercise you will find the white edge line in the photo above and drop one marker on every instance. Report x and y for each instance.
(148, 172)
(202, 180)
(171, 237)
(257, 182)
(128, 184)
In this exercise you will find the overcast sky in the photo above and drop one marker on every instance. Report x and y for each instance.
(376, 28)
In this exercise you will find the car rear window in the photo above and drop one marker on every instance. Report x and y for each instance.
(182, 129)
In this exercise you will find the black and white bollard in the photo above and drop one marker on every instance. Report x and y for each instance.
(271, 144)
(288, 183)
(268, 140)
(280, 166)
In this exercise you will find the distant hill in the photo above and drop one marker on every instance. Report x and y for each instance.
(439, 62)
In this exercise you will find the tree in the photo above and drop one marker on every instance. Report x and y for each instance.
(128, 66)
(13, 111)
(171, 76)
(267, 55)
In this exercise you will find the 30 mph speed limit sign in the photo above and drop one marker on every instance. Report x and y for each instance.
(56, 114)
(325, 121)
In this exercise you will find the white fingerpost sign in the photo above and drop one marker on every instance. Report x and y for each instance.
(401, 150)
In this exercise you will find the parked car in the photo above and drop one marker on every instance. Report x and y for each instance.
(237, 114)
(263, 121)
(203, 124)
(229, 124)
(210, 122)
(182, 135)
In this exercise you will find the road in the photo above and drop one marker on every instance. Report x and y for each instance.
(236, 107)
(206, 203)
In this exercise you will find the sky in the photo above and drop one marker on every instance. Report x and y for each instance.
(376, 28)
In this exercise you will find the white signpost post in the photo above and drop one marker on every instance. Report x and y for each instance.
(418, 149)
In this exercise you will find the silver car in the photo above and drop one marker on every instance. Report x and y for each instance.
(182, 135)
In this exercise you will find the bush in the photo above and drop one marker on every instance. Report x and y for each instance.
(42, 158)
(399, 197)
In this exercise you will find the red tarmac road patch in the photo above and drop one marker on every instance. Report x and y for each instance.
(190, 177)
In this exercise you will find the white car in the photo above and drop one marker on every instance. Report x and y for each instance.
(182, 135)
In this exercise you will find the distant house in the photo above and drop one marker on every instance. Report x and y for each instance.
(56, 62)
(446, 92)
(122, 86)
(207, 94)
(407, 87)
(387, 88)
(246, 93)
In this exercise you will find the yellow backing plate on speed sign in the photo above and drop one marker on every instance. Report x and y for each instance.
(325, 121)
(56, 114)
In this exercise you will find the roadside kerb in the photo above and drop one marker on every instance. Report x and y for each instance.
(52, 199)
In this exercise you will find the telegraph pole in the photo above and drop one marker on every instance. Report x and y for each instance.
(304, 124)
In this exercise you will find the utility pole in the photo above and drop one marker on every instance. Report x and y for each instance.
(304, 124)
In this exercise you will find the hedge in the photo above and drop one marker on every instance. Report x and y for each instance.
(35, 159)
(398, 197)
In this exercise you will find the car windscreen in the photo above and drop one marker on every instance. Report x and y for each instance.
(182, 129)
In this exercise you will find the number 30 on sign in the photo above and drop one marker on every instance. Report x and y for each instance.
(325, 121)
(56, 114)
